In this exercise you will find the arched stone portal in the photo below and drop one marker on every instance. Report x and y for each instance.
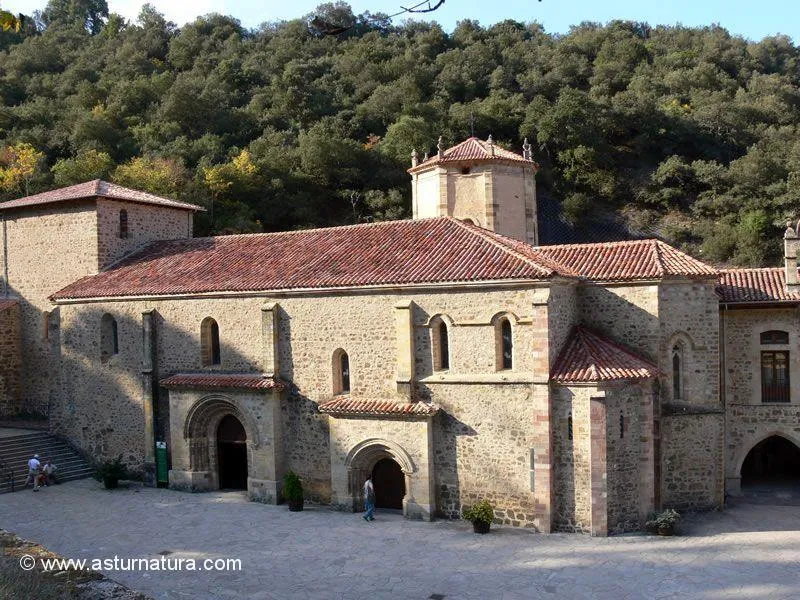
(231, 454)
(390, 484)
(387, 460)
(774, 459)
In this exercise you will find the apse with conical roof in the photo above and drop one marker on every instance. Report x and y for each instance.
(481, 182)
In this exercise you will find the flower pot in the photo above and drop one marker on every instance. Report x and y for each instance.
(666, 529)
(481, 526)
(111, 483)
(295, 505)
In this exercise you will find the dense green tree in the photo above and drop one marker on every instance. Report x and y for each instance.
(690, 134)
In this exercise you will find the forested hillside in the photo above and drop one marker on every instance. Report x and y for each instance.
(687, 134)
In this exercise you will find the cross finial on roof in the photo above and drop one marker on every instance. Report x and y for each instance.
(414, 161)
(440, 146)
(526, 150)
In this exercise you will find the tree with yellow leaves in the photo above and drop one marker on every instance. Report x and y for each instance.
(18, 164)
(8, 21)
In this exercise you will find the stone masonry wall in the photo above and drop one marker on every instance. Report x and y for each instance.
(627, 314)
(10, 360)
(691, 451)
(146, 223)
(748, 419)
(102, 407)
(625, 452)
(46, 251)
(572, 481)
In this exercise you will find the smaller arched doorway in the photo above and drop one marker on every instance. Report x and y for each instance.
(232, 454)
(771, 471)
(390, 484)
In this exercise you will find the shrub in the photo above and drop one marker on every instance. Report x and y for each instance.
(292, 487)
(481, 511)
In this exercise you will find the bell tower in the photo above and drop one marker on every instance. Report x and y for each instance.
(481, 182)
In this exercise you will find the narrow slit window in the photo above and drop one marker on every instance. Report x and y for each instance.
(209, 343)
(440, 341)
(123, 224)
(507, 344)
(677, 373)
(621, 426)
(109, 339)
(569, 427)
(341, 372)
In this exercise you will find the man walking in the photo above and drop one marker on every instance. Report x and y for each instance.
(33, 472)
(369, 499)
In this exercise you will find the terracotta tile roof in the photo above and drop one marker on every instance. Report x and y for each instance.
(221, 380)
(389, 253)
(754, 286)
(588, 357)
(473, 150)
(6, 304)
(346, 406)
(627, 261)
(94, 189)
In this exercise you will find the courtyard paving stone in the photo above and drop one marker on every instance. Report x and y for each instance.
(747, 552)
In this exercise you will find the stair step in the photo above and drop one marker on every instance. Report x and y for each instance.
(15, 452)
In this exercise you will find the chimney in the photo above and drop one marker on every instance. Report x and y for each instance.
(790, 243)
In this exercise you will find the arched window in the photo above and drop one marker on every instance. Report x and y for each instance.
(123, 224)
(209, 342)
(775, 337)
(341, 372)
(677, 373)
(440, 343)
(504, 345)
(109, 342)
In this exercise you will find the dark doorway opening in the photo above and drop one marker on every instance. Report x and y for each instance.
(232, 454)
(771, 472)
(390, 484)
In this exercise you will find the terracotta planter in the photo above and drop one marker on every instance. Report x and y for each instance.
(111, 483)
(481, 526)
(295, 505)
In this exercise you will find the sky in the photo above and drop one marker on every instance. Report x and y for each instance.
(753, 20)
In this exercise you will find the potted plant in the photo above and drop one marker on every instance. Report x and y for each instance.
(663, 523)
(293, 491)
(110, 472)
(481, 514)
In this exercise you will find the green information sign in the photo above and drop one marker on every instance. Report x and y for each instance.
(162, 470)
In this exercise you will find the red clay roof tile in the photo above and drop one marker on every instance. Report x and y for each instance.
(473, 150)
(754, 286)
(588, 357)
(389, 253)
(94, 189)
(346, 406)
(627, 261)
(222, 380)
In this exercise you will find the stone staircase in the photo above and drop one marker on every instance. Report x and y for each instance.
(17, 449)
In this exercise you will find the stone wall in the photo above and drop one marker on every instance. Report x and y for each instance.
(628, 314)
(146, 223)
(691, 461)
(10, 358)
(689, 316)
(493, 415)
(748, 419)
(46, 251)
(572, 480)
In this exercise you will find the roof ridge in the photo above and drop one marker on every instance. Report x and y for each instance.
(483, 233)
(659, 258)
